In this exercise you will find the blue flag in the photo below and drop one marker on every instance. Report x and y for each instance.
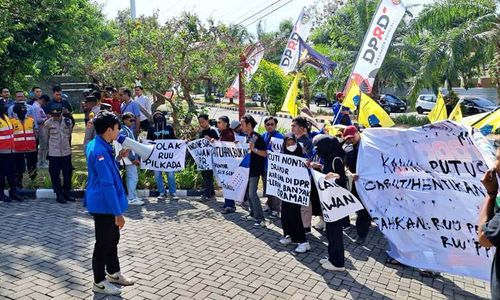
(309, 56)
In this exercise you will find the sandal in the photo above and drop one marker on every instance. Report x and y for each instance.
(392, 261)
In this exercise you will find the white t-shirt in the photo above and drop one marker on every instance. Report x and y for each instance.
(145, 103)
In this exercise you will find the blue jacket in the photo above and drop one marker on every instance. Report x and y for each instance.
(338, 117)
(105, 193)
(267, 137)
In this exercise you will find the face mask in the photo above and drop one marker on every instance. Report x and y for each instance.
(66, 115)
(291, 148)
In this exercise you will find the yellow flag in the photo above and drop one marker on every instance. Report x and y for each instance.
(371, 114)
(438, 113)
(290, 103)
(489, 123)
(456, 113)
(352, 97)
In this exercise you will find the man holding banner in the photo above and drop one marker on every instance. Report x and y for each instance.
(273, 203)
(208, 132)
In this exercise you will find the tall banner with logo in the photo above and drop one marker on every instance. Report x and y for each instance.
(377, 40)
(422, 188)
(301, 29)
(253, 59)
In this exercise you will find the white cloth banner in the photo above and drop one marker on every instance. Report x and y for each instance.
(201, 151)
(276, 144)
(302, 28)
(238, 182)
(288, 178)
(253, 60)
(336, 202)
(167, 155)
(422, 187)
(226, 159)
(377, 40)
(240, 138)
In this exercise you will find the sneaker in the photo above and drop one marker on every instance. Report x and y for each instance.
(328, 266)
(44, 165)
(260, 224)
(136, 201)
(227, 210)
(161, 197)
(320, 226)
(118, 278)
(324, 260)
(174, 197)
(285, 241)
(247, 218)
(275, 214)
(308, 230)
(303, 247)
(105, 287)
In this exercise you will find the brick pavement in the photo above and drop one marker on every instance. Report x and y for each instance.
(187, 250)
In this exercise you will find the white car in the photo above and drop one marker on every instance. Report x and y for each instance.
(425, 102)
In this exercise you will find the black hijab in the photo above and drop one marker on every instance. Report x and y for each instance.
(330, 150)
(297, 152)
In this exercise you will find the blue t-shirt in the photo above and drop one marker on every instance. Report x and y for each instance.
(132, 107)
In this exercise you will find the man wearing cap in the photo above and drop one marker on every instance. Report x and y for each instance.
(352, 136)
(56, 134)
(239, 135)
(340, 112)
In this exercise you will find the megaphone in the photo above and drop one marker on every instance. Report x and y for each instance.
(144, 151)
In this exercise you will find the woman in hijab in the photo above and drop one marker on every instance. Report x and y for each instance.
(291, 221)
(329, 149)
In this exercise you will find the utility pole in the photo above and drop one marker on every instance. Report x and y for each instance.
(132, 9)
(241, 82)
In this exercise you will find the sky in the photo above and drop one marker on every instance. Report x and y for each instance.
(227, 11)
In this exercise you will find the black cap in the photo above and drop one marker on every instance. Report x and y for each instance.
(90, 99)
(105, 106)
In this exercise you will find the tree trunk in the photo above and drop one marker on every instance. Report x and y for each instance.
(175, 111)
(375, 92)
(186, 89)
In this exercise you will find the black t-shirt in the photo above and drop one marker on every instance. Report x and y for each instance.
(161, 132)
(257, 162)
(210, 132)
(64, 104)
(492, 231)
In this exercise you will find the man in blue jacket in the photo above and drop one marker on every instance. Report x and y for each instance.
(106, 201)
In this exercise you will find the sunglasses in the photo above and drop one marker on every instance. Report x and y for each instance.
(270, 124)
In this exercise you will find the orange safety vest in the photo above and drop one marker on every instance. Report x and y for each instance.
(6, 135)
(24, 135)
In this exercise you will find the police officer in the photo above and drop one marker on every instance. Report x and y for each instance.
(107, 207)
(57, 134)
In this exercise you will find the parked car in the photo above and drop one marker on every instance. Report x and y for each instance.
(472, 105)
(320, 98)
(394, 104)
(425, 102)
(256, 97)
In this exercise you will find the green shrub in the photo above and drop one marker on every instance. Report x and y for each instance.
(410, 120)
(251, 104)
(189, 178)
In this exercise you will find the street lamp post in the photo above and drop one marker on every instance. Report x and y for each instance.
(132, 9)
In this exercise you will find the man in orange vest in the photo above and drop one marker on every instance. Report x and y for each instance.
(24, 139)
(7, 164)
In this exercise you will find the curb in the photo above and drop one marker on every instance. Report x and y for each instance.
(49, 193)
(251, 111)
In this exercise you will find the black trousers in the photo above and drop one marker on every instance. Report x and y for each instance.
(20, 167)
(363, 223)
(7, 168)
(208, 183)
(335, 238)
(291, 222)
(145, 125)
(56, 166)
(105, 257)
(31, 161)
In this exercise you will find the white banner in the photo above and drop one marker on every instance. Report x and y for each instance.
(336, 202)
(238, 182)
(201, 151)
(253, 60)
(226, 159)
(377, 40)
(167, 155)
(288, 178)
(302, 28)
(276, 144)
(422, 187)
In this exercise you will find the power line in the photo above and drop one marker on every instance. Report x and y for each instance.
(268, 14)
(259, 11)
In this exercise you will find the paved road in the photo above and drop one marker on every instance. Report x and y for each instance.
(187, 250)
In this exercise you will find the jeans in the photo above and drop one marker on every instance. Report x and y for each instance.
(253, 199)
(208, 183)
(105, 257)
(170, 180)
(132, 179)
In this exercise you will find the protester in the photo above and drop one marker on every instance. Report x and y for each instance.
(114, 101)
(208, 132)
(273, 203)
(489, 222)
(7, 162)
(291, 220)
(89, 128)
(128, 105)
(24, 143)
(161, 130)
(56, 134)
(258, 152)
(107, 208)
(363, 221)
(340, 112)
(145, 106)
(330, 151)
(132, 176)
(226, 135)
(239, 135)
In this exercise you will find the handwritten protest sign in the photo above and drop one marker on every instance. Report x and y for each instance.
(422, 187)
(167, 155)
(239, 180)
(276, 144)
(336, 202)
(226, 159)
(288, 178)
(240, 139)
(201, 151)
